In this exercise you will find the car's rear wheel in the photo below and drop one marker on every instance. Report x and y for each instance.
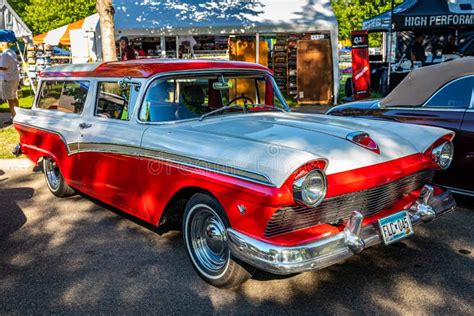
(55, 180)
(205, 236)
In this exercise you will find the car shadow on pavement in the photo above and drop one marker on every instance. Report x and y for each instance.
(11, 214)
(74, 255)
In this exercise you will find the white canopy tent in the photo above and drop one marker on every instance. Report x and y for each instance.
(227, 17)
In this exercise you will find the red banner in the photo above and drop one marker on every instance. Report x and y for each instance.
(360, 64)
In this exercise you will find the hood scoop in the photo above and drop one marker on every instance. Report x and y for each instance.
(364, 140)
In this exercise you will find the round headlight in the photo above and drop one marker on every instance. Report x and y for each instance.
(310, 189)
(443, 155)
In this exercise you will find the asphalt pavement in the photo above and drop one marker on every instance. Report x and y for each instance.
(74, 255)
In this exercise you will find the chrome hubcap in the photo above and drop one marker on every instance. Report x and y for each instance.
(209, 242)
(52, 172)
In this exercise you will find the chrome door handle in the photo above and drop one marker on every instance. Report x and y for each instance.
(85, 125)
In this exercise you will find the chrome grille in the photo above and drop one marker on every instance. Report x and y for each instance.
(338, 209)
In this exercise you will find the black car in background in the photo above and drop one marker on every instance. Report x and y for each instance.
(440, 95)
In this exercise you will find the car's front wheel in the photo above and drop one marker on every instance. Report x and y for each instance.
(205, 236)
(55, 180)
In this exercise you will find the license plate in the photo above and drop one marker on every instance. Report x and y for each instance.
(395, 227)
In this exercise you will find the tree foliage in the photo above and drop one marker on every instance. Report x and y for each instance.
(45, 15)
(351, 13)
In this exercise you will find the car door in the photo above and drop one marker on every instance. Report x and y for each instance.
(62, 104)
(464, 178)
(109, 146)
(447, 108)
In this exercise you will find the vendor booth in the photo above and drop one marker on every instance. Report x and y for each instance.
(439, 25)
(295, 38)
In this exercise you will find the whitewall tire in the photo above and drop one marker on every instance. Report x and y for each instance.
(205, 237)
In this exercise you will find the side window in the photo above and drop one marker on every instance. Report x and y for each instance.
(116, 101)
(63, 96)
(176, 99)
(455, 95)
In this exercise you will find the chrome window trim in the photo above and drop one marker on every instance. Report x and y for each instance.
(68, 79)
(98, 80)
(472, 100)
(197, 72)
(444, 87)
(89, 108)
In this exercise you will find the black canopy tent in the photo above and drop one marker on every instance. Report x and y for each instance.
(435, 14)
(432, 16)
(436, 19)
(424, 14)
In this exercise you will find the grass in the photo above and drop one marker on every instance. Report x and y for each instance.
(8, 138)
(25, 98)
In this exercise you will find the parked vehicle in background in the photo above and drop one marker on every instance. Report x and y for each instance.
(440, 95)
(213, 145)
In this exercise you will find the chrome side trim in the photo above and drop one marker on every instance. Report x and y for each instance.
(171, 157)
(206, 165)
(47, 131)
(75, 148)
(330, 250)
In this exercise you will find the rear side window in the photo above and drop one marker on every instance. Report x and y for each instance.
(455, 95)
(63, 96)
(115, 101)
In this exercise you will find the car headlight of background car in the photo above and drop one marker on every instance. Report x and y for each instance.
(310, 189)
(443, 155)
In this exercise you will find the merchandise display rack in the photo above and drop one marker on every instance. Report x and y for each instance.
(292, 87)
(280, 61)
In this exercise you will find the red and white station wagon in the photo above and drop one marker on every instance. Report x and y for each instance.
(214, 145)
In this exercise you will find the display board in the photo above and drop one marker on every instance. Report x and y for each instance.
(314, 72)
(360, 64)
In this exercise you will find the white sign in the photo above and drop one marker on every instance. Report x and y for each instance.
(317, 37)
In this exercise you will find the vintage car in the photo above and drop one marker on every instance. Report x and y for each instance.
(214, 146)
(440, 95)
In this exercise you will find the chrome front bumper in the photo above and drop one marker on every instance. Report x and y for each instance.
(328, 251)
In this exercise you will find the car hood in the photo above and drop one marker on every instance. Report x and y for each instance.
(276, 144)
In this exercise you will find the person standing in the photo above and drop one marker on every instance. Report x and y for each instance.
(128, 53)
(450, 48)
(9, 79)
(417, 51)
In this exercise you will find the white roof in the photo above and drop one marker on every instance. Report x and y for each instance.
(195, 17)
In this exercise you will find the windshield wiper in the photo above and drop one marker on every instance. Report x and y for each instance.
(222, 109)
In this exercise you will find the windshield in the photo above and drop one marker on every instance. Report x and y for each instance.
(188, 97)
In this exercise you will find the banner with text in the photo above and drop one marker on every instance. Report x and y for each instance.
(360, 64)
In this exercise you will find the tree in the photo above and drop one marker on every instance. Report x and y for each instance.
(45, 15)
(351, 13)
(106, 12)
